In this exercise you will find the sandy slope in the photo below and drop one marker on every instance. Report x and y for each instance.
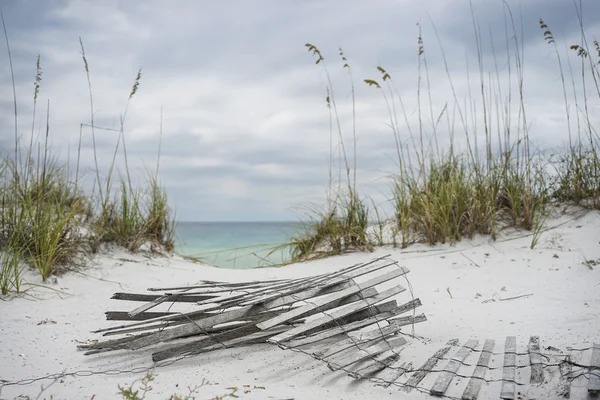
(562, 308)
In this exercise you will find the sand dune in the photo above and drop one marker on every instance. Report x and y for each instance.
(477, 289)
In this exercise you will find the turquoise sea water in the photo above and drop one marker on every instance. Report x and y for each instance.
(234, 244)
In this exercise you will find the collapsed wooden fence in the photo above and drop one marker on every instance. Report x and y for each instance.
(291, 313)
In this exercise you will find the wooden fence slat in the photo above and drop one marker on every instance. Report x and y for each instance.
(148, 306)
(535, 359)
(443, 380)
(594, 381)
(124, 316)
(393, 373)
(566, 370)
(507, 390)
(330, 298)
(332, 316)
(179, 297)
(418, 376)
(363, 351)
(474, 385)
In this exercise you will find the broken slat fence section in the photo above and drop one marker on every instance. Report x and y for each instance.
(420, 374)
(443, 381)
(299, 314)
(390, 375)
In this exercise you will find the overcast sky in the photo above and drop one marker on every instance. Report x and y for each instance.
(245, 122)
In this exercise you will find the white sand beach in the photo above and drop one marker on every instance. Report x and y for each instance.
(470, 290)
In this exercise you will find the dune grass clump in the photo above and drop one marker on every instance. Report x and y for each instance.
(333, 231)
(487, 177)
(47, 221)
(135, 217)
(342, 224)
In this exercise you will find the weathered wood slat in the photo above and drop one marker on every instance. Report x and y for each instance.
(124, 316)
(361, 323)
(393, 373)
(594, 381)
(566, 370)
(378, 363)
(331, 298)
(332, 316)
(535, 359)
(213, 284)
(443, 380)
(507, 390)
(377, 332)
(179, 297)
(418, 376)
(474, 385)
(363, 351)
(148, 306)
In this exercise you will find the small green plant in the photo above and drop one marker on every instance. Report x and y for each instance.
(129, 393)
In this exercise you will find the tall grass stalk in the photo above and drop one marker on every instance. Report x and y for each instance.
(47, 222)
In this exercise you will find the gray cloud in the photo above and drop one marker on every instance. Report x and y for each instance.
(245, 124)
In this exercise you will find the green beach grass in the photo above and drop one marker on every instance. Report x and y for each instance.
(441, 196)
(46, 220)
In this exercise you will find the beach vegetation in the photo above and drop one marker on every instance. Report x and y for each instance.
(469, 167)
(50, 222)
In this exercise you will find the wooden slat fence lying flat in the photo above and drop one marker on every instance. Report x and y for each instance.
(292, 313)
(444, 379)
(421, 372)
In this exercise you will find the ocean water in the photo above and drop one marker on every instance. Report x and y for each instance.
(235, 244)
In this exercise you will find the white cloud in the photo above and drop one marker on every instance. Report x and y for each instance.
(246, 129)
